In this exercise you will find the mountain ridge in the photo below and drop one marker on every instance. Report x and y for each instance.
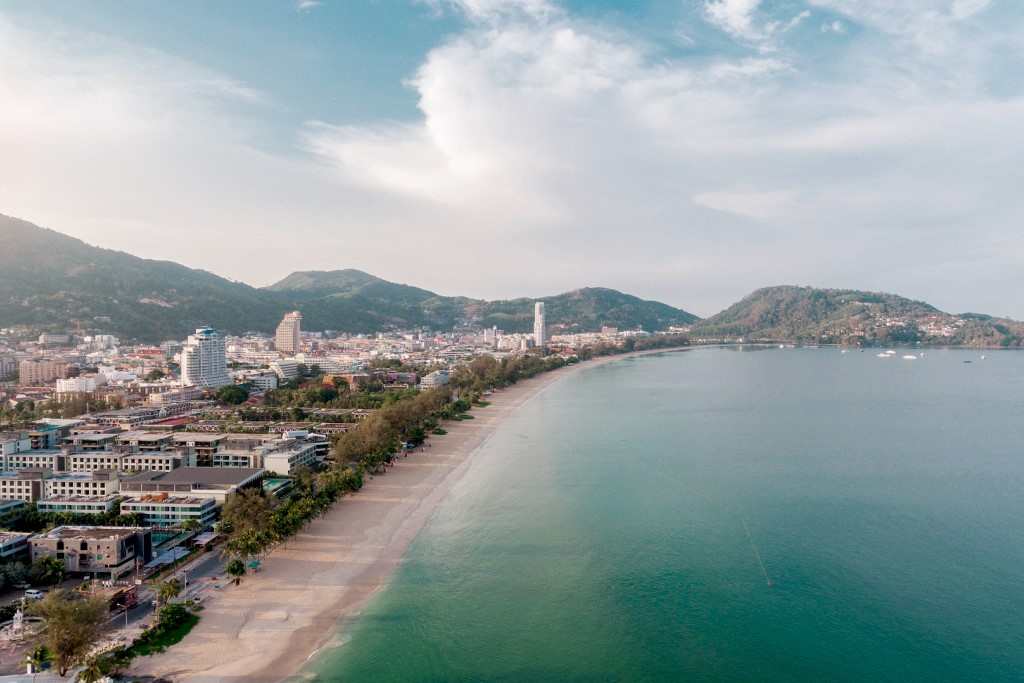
(52, 280)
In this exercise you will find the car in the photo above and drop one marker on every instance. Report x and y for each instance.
(35, 594)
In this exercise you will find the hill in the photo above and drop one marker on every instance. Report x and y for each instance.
(52, 281)
(807, 314)
(326, 296)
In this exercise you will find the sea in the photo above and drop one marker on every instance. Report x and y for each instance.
(725, 514)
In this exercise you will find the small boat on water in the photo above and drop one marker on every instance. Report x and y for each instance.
(968, 361)
(883, 355)
(910, 356)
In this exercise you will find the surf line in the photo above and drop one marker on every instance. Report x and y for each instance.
(757, 553)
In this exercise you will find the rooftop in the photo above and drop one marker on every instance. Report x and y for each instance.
(81, 499)
(93, 532)
(140, 435)
(217, 476)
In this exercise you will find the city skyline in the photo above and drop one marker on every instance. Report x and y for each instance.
(687, 152)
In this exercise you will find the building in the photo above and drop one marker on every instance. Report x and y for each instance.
(204, 360)
(86, 384)
(437, 378)
(51, 459)
(79, 505)
(8, 366)
(216, 483)
(540, 332)
(286, 370)
(14, 442)
(163, 509)
(24, 485)
(54, 339)
(95, 483)
(260, 380)
(12, 544)
(41, 370)
(288, 338)
(111, 552)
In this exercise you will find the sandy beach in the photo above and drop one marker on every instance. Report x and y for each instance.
(269, 626)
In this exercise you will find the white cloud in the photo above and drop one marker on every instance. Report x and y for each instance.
(546, 140)
(307, 5)
(834, 26)
(734, 16)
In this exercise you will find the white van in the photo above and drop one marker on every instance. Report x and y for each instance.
(35, 594)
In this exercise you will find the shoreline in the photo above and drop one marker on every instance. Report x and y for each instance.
(268, 628)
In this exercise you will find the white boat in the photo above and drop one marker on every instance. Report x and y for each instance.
(883, 355)
(890, 352)
(910, 356)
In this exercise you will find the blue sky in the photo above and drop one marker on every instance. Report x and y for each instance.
(685, 150)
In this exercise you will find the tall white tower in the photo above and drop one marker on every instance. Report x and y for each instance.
(204, 360)
(289, 333)
(540, 333)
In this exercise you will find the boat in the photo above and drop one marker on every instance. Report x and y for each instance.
(910, 356)
(968, 361)
(882, 355)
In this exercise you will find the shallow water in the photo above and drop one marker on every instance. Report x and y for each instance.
(723, 515)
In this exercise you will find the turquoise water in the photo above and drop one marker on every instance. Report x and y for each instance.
(723, 515)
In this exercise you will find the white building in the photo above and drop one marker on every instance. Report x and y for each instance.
(204, 360)
(261, 380)
(162, 509)
(288, 338)
(437, 378)
(286, 370)
(540, 333)
(85, 384)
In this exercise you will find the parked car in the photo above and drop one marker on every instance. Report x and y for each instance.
(35, 594)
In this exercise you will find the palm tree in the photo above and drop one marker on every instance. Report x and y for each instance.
(166, 590)
(95, 669)
(236, 568)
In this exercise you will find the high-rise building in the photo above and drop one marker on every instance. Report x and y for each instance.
(540, 333)
(289, 333)
(204, 360)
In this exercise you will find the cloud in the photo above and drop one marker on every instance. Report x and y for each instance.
(553, 152)
(307, 5)
(734, 16)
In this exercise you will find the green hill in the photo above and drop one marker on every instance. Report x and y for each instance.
(51, 281)
(807, 314)
(325, 296)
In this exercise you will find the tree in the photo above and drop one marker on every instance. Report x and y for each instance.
(191, 525)
(167, 590)
(95, 670)
(46, 571)
(236, 569)
(233, 394)
(154, 375)
(72, 626)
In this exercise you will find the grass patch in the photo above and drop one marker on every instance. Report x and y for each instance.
(169, 631)
(482, 404)
(439, 431)
(464, 416)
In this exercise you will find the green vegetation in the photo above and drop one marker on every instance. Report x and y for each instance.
(174, 622)
(233, 394)
(843, 316)
(72, 626)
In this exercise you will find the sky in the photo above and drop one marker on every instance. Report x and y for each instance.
(688, 151)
